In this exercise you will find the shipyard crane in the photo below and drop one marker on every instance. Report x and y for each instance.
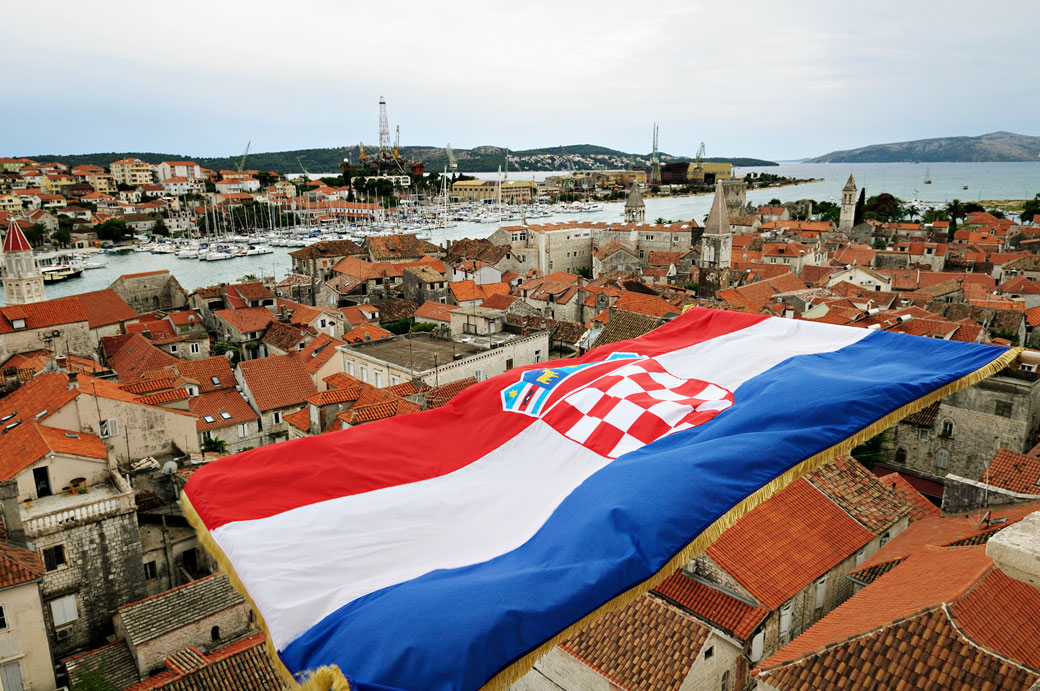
(699, 162)
(302, 166)
(384, 132)
(242, 163)
(362, 156)
(397, 144)
(655, 162)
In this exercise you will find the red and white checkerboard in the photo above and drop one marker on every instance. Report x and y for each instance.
(633, 406)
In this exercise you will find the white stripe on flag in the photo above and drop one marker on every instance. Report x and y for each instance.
(304, 564)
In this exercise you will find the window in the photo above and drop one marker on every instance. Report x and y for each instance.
(350, 368)
(379, 379)
(901, 455)
(173, 347)
(3, 618)
(276, 417)
(942, 459)
(1003, 409)
(109, 428)
(43, 481)
(215, 381)
(54, 557)
(785, 622)
(478, 374)
(364, 373)
(724, 683)
(150, 572)
(537, 356)
(922, 434)
(64, 610)
(884, 539)
(860, 556)
(214, 633)
(947, 428)
(821, 591)
(243, 430)
(192, 391)
(194, 348)
(756, 646)
(709, 652)
(509, 363)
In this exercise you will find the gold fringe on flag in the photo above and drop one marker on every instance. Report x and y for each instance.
(331, 678)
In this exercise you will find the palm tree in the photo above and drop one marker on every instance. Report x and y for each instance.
(954, 210)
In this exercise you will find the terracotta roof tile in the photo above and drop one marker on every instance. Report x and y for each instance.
(464, 291)
(437, 397)
(435, 310)
(204, 370)
(301, 419)
(920, 506)
(285, 337)
(241, 665)
(366, 332)
(854, 488)
(1013, 471)
(787, 542)
(28, 442)
(277, 382)
(319, 351)
(104, 307)
(246, 319)
(226, 407)
(646, 645)
(42, 315)
(136, 355)
(722, 610)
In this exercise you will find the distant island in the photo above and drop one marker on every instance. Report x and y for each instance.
(481, 159)
(996, 146)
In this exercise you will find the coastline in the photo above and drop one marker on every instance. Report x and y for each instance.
(756, 188)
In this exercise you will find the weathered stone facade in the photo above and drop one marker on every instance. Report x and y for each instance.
(151, 291)
(962, 433)
(103, 571)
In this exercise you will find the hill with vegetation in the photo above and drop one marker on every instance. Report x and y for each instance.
(481, 159)
(996, 146)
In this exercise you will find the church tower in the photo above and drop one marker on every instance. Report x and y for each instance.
(23, 282)
(848, 205)
(717, 239)
(635, 207)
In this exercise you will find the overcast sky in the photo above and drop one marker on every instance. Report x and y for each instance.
(763, 78)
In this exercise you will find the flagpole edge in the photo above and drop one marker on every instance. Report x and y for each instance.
(512, 673)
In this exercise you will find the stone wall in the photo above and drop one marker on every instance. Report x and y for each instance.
(151, 291)
(103, 571)
(964, 494)
(231, 623)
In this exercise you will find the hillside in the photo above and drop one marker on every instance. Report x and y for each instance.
(996, 146)
(480, 159)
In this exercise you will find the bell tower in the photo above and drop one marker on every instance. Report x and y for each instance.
(848, 205)
(23, 282)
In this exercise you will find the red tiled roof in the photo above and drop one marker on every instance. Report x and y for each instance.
(104, 307)
(1013, 471)
(437, 397)
(42, 315)
(27, 443)
(18, 565)
(920, 506)
(203, 371)
(735, 617)
(464, 291)
(145, 273)
(276, 382)
(213, 403)
(944, 618)
(247, 319)
(161, 397)
(251, 291)
(243, 664)
(319, 351)
(137, 356)
(435, 310)
(15, 240)
(787, 542)
(645, 645)
(301, 419)
(854, 488)
(366, 332)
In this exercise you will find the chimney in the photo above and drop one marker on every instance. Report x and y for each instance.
(62, 362)
(12, 517)
(73, 379)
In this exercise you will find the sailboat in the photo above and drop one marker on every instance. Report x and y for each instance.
(928, 176)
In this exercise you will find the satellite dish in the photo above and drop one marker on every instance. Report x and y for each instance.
(169, 468)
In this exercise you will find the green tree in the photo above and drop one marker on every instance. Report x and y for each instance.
(211, 445)
(266, 179)
(997, 213)
(774, 202)
(62, 236)
(828, 211)
(933, 215)
(159, 228)
(1030, 209)
(955, 212)
(972, 207)
(36, 234)
(884, 207)
(114, 230)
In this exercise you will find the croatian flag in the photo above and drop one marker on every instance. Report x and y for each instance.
(449, 549)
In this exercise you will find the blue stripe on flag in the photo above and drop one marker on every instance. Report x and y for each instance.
(457, 628)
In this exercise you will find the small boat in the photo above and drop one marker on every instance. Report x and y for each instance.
(60, 272)
(928, 176)
(964, 187)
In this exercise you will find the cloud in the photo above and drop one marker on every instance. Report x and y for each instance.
(761, 78)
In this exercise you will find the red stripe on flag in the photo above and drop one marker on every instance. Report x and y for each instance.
(272, 479)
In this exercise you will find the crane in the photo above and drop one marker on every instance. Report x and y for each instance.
(242, 163)
(302, 166)
(362, 156)
(655, 162)
(397, 144)
(384, 132)
(699, 163)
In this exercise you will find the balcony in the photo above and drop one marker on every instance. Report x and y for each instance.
(59, 512)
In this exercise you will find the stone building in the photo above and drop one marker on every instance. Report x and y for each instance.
(848, 205)
(717, 239)
(316, 261)
(24, 645)
(960, 434)
(424, 284)
(57, 325)
(150, 291)
(635, 207)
